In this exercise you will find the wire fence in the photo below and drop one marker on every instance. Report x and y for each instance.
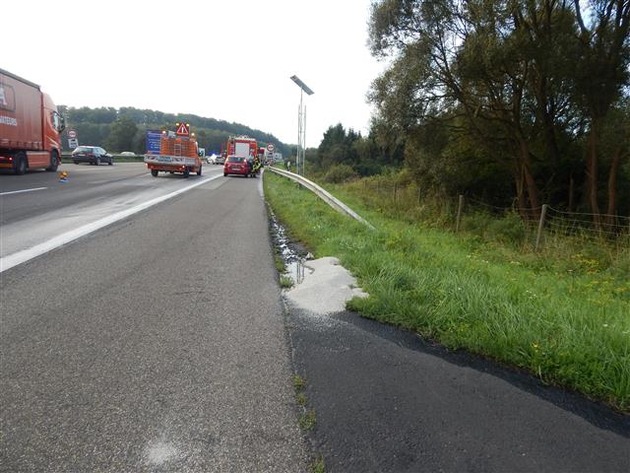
(541, 223)
(551, 221)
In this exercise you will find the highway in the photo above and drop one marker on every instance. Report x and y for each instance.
(156, 343)
(143, 329)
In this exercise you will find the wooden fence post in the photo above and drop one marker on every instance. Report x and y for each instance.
(459, 213)
(541, 224)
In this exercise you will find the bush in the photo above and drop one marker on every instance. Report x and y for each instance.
(340, 173)
(507, 230)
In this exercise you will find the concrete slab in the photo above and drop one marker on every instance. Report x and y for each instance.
(325, 288)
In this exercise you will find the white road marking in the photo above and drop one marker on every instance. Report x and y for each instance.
(22, 256)
(24, 190)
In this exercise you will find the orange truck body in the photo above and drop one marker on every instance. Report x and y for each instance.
(30, 126)
(179, 152)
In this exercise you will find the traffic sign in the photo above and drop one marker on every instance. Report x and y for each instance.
(72, 134)
(183, 129)
(270, 147)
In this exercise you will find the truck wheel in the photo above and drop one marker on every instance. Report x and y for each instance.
(154, 173)
(54, 161)
(186, 172)
(199, 172)
(19, 164)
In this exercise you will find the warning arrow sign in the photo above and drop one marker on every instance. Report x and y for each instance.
(183, 129)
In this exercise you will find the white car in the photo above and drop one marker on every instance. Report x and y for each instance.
(214, 159)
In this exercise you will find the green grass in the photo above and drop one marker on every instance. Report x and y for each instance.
(318, 465)
(563, 317)
(286, 282)
(308, 420)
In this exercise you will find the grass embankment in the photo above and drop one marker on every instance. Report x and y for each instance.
(555, 317)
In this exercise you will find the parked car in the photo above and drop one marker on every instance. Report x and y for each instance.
(236, 165)
(91, 154)
(127, 153)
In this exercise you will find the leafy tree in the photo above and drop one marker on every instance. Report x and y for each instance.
(121, 134)
(95, 126)
(496, 82)
(601, 73)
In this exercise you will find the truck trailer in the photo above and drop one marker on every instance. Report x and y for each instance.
(177, 152)
(30, 126)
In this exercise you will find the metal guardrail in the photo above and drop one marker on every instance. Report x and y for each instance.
(322, 194)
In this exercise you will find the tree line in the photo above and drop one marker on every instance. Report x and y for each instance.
(125, 129)
(510, 101)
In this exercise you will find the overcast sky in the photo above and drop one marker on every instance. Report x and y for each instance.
(224, 59)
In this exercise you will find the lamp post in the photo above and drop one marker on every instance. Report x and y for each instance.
(301, 150)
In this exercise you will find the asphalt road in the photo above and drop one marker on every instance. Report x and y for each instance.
(385, 400)
(155, 344)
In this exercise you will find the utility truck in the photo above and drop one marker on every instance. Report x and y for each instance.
(173, 152)
(29, 126)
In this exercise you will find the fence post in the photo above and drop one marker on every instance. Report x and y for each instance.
(459, 212)
(541, 224)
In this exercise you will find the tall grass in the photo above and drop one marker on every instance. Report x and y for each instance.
(564, 318)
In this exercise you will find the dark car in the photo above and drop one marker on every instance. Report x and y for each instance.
(236, 165)
(91, 154)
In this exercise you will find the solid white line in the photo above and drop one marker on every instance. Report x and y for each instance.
(22, 256)
(24, 190)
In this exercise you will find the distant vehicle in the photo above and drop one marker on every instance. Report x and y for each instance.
(175, 152)
(29, 126)
(127, 153)
(241, 145)
(215, 159)
(91, 154)
(236, 165)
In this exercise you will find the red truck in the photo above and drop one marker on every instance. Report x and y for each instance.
(29, 126)
(242, 146)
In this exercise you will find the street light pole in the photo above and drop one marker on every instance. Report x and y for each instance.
(301, 150)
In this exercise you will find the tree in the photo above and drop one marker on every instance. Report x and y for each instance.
(122, 134)
(602, 72)
(508, 80)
